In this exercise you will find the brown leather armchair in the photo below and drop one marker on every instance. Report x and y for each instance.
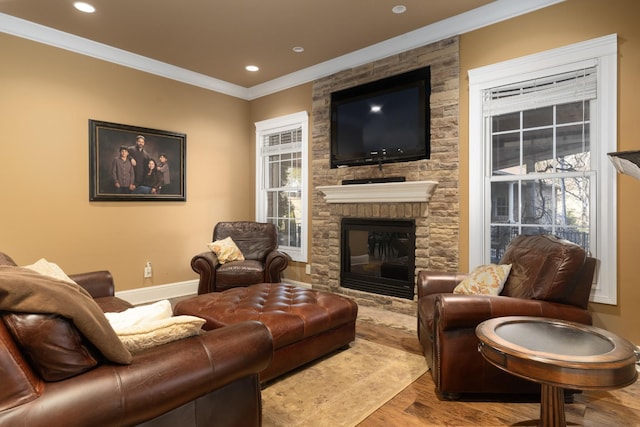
(204, 380)
(263, 263)
(549, 277)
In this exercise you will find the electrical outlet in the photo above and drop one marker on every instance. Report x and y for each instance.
(308, 269)
(148, 272)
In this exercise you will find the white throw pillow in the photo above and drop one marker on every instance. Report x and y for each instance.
(49, 269)
(151, 325)
(484, 280)
(140, 315)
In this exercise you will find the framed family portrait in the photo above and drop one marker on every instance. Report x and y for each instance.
(129, 163)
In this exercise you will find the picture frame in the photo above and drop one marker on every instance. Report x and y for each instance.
(122, 160)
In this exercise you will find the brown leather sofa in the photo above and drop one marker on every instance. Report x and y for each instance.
(549, 278)
(205, 380)
(263, 263)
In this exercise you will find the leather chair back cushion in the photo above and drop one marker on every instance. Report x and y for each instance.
(254, 239)
(543, 268)
(53, 345)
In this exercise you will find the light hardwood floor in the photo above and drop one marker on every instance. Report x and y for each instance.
(418, 405)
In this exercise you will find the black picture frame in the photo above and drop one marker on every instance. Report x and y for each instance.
(106, 144)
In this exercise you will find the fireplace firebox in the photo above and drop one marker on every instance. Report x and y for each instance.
(378, 256)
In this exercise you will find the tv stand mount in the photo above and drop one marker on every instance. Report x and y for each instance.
(373, 180)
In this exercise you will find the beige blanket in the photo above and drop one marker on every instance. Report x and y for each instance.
(25, 291)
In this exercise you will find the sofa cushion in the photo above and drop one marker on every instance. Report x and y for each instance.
(241, 272)
(25, 291)
(226, 250)
(53, 345)
(484, 280)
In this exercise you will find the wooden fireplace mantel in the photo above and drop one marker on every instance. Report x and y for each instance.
(388, 192)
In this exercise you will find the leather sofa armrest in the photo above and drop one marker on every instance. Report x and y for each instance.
(205, 265)
(436, 282)
(99, 284)
(158, 380)
(468, 311)
(275, 263)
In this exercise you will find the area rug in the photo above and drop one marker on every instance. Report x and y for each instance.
(340, 390)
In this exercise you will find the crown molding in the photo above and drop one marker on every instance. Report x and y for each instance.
(52, 37)
(497, 11)
(491, 13)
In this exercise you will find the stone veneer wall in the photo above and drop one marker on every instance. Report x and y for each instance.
(437, 222)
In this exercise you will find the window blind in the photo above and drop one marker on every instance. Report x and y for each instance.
(579, 85)
(283, 141)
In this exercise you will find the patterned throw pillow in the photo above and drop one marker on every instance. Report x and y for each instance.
(484, 280)
(226, 250)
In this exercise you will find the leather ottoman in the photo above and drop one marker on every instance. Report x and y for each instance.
(305, 324)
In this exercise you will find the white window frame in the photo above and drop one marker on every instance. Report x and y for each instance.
(601, 52)
(279, 124)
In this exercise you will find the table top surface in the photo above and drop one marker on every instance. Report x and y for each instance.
(558, 352)
(554, 337)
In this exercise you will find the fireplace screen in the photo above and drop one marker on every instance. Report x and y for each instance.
(378, 256)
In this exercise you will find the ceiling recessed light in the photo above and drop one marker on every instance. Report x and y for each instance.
(84, 7)
(252, 68)
(399, 9)
(298, 49)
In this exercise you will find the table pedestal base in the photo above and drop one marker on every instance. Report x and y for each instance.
(552, 407)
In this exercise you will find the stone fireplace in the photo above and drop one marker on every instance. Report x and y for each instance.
(428, 197)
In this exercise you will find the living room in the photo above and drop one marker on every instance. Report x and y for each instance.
(49, 94)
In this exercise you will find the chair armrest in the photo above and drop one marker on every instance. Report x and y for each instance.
(98, 283)
(205, 265)
(455, 311)
(275, 263)
(436, 282)
(158, 380)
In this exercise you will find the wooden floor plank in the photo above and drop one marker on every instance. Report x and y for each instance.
(418, 404)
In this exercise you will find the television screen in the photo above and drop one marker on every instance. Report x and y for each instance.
(383, 121)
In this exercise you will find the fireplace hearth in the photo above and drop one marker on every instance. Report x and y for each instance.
(378, 256)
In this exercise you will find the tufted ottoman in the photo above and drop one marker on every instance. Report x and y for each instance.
(305, 324)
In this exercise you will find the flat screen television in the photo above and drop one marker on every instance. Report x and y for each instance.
(384, 121)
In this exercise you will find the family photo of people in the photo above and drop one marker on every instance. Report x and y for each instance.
(132, 163)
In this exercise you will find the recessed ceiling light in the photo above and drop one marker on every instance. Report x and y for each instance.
(84, 7)
(298, 49)
(252, 68)
(399, 9)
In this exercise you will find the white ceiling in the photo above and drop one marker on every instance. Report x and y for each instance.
(209, 42)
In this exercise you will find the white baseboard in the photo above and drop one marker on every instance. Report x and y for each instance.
(174, 290)
(297, 283)
(159, 292)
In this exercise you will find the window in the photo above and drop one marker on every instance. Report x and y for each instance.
(281, 180)
(543, 125)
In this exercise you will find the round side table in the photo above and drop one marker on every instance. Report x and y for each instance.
(558, 354)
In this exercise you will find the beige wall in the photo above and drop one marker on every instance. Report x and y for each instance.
(560, 25)
(47, 97)
(279, 104)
